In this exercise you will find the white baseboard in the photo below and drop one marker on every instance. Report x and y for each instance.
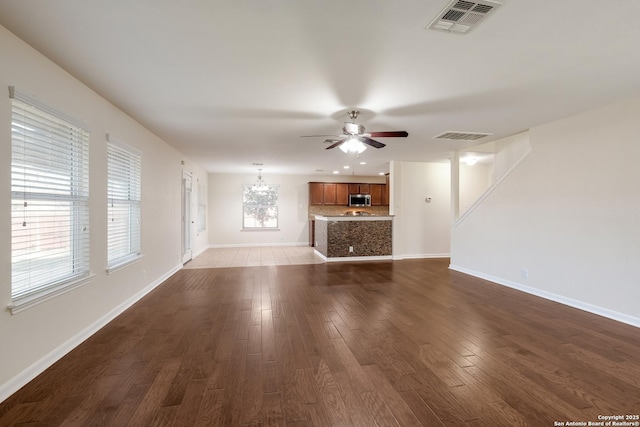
(580, 305)
(20, 380)
(420, 256)
(256, 245)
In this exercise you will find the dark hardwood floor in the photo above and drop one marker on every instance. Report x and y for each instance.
(354, 344)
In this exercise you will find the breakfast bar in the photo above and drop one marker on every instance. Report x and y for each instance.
(353, 238)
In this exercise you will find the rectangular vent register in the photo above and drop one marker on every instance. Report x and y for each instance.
(461, 16)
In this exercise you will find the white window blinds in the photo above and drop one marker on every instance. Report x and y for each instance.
(124, 195)
(49, 198)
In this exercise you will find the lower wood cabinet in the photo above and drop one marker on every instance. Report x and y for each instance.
(312, 233)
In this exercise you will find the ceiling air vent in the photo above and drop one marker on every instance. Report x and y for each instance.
(461, 16)
(462, 136)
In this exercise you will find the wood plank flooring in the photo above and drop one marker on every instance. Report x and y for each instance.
(346, 344)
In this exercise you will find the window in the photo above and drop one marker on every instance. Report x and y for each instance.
(202, 207)
(124, 170)
(49, 199)
(260, 207)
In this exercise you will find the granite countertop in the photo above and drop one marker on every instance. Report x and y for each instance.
(343, 211)
(352, 217)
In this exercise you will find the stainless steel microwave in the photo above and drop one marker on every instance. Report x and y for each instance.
(359, 200)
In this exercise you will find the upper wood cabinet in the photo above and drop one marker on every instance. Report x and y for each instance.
(329, 194)
(337, 193)
(342, 194)
(385, 193)
(316, 193)
(359, 188)
(376, 194)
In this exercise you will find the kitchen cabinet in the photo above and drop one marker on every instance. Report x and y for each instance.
(337, 193)
(359, 188)
(342, 194)
(385, 194)
(329, 194)
(376, 194)
(312, 233)
(316, 193)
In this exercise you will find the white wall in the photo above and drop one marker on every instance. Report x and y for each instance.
(568, 215)
(34, 338)
(420, 229)
(225, 208)
(474, 181)
(510, 150)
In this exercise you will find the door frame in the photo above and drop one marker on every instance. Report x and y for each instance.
(187, 221)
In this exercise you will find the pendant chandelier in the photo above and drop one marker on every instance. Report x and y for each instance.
(260, 184)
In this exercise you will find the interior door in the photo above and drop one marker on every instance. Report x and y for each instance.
(187, 220)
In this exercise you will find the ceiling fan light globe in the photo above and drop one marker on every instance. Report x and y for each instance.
(353, 145)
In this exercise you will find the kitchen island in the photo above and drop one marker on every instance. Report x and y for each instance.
(353, 238)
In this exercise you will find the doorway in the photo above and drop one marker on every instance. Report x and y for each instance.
(188, 225)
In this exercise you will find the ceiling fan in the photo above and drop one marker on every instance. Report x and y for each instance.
(354, 138)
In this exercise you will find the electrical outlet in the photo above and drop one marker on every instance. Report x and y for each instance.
(524, 273)
(350, 248)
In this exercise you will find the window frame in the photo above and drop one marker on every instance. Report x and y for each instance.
(50, 174)
(245, 205)
(124, 190)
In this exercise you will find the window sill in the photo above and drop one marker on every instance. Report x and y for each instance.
(28, 301)
(122, 264)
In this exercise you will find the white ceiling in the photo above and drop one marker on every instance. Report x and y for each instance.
(230, 83)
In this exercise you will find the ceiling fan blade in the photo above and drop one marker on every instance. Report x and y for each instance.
(318, 136)
(371, 142)
(334, 145)
(390, 134)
